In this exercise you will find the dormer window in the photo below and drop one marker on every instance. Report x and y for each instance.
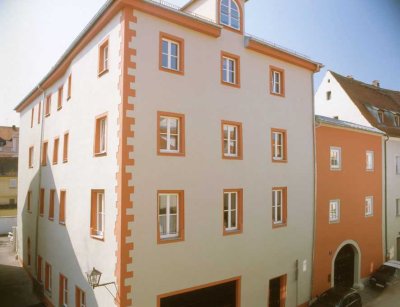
(380, 116)
(397, 120)
(229, 14)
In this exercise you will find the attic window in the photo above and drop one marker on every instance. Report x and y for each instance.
(328, 95)
(229, 14)
(397, 120)
(380, 116)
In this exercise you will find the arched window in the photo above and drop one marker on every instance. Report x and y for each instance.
(229, 14)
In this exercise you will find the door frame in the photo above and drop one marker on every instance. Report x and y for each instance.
(357, 262)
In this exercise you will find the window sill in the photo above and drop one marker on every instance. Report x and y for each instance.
(173, 71)
(65, 161)
(96, 237)
(278, 225)
(59, 108)
(370, 170)
(230, 28)
(334, 222)
(47, 115)
(279, 160)
(236, 85)
(172, 154)
(369, 215)
(55, 163)
(278, 94)
(48, 292)
(103, 72)
(41, 215)
(68, 98)
(30, 167)
(100, 154)
(61, 223)
(232, 232)
(51, 219)
(169, 240)
(335, 169)
(232, 157)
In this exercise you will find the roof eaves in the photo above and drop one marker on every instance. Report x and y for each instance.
(345, 124)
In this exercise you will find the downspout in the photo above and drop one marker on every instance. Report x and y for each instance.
(387, 256)
(39, 175)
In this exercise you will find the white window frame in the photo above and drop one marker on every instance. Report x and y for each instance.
(369, 156)
(397, 120)
(369, 206)
(82, 299)
(102, 135)
(398, 207)
(49, 276)
(231, 6)
(230, 210)
(381, 116)
(277, 206)
(229, 140)
(105, 57)
(339, 158)
(276, 82)
(100, 215)
(168, 134)
(397, 163)
(276, 146)
(169, 234)
(64, 303)
(332, 218)
(226, 72)
(170, 55)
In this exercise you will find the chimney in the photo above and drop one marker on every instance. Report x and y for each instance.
(336, 117)
(376, 83)
(350, 77)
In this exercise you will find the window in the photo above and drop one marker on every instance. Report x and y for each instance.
(51, 204)
(397, 120)
(32, 116)
(170, 216)
(398, 165)
(69, 88)
(230, 14)
(231, 140)
(334, 211)
(63, 291)
(381, 117)
(328, 95)
(171, 134)
(277, 81)
(47, 278)
(39, 112)
(61, 214)
(39, 269)
(55, 150)
(103, 57)
(369, 206)
(97, 214)
(230, 69)
(171, 53)
(41, 202)
(100, 142)
(44, 153)
(30, 159)
(335, 158)
(60, 97)
(29, 201)
(29, 251)
(233, 211)
(370, 160)
(398, 207)
(279, 140)
(48, 105)
(13, 183)
(65, 149)
(80, 298)
(279, 206)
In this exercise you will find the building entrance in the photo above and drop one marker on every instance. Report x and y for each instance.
(344, 267)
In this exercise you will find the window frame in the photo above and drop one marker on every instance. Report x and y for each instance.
(236, 59)
(39, 111)
(47, 111)
(63, 202)
(42, 195)
(381, 116)
(283, 192)
(397, 120)
(180, 42)
(45, 148)
(368, 167)
(95, 233)
(32, 115)
(397, 164)
(97, 150)
(229, 26)
(29, 201)
(63, 290)
(397, 207)
(369, 206)
(30, 156)
(60, 97)
(48, 280)
(239, 141)
(52, 198)
(104, 57)
(69, 87)
(56, 145)
(339, 166)
(181, 134)
(275, 158)
(65, 146)
(337, 219)
(80, 297)
(39, 269)
(28, 243)
(180, 217)
(239, 212)
(281, 72)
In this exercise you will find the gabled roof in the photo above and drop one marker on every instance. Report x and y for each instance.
(7, 133)
(344, 124)
(370, 99)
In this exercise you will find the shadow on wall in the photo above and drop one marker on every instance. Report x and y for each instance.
(51, 240)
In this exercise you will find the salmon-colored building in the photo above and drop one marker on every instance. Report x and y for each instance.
(348, 230)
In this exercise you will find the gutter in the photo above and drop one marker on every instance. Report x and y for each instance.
(387, 256)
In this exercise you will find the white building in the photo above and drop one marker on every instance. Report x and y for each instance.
(174, 154)
(373, 106)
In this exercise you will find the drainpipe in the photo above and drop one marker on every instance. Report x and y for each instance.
(385, 172)
(39, 174)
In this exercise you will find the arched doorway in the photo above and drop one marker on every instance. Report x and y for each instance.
(344, 266)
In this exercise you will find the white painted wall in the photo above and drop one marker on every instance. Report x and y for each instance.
(7, 223)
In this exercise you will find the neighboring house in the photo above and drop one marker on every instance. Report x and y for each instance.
(172, 153)
(348, 233)
(373, 106)
(9, 141)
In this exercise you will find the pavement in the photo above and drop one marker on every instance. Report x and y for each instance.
(15, 284)
(378, 297)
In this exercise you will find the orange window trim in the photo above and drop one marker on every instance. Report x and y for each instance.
(39, 112)
(240, 31)
(285, 156)
(93, 214)
(61, 298)
(239, 212)
(97, 135)
(51, 204)
(182, 137)
(181, 52)
(30, 159)
(236, 58)
(102, 46)
(78, 293)
(240, 139)
(44, 153)
(32, 116)
(60, 96)
(48, 105)
(61, 215)
(55, 150)
(69, 87)
(284, 207)
(39, 268)
(282, 290)
(281, 71)
(216, 283)
(29, 201)
(181, 210)
(41, 202)
(65, 148)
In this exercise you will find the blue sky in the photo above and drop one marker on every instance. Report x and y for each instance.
(352, 37)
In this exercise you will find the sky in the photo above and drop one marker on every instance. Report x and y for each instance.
(351, 37)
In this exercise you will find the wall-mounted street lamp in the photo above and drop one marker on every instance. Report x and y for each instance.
(94, 281)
